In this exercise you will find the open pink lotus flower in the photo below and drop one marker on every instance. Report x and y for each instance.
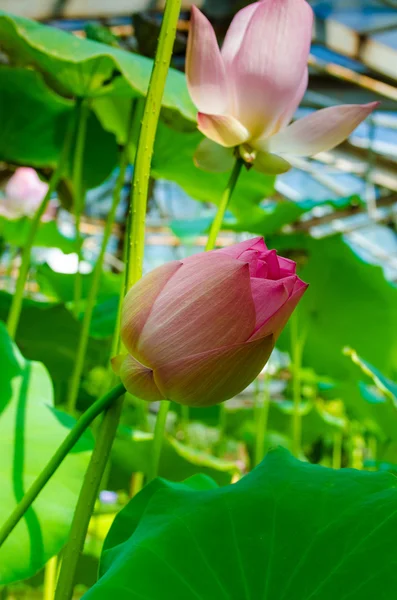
(23, 195)
(199, 330)
(248, 92)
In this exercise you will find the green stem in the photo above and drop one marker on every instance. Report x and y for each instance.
(96, 278)
(50, 578)
(13, 253)
(140, 185)
(262, 419)
(78, 191)
(185, 421)
(220, 213)
(136, 237)
(17, 300)
(337, 450)
(87, 498)
(296, 349)
(158, 438)
(72, 438)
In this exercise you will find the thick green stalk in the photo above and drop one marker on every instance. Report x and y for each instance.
(17, 300)
(50, 578)
(78, 191)
(140, 185)
(226, 196)
(134, 272)
(96, 278)
(296, 350)
(337, 450)
(158, 438)
(86, 502)
(261, 424)
(71, 439)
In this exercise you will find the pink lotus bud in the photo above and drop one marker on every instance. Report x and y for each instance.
(248, 92)
(199, 330)
(23, 194)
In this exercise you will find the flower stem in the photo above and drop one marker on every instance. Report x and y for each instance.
(96, 277)
(87, 498)
(337, 450)
(136, 237)
(140, 185)
(296, 350)
(158, 438)
(220, 213)
(78, 191)
(17, 300)
(263, 415)
(50, 578)
(71, 439)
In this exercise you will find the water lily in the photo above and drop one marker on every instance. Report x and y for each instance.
(247, 93)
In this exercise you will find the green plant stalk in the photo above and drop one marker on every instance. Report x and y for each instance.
(50, 578)
(96, 278)
(226, 196)
(86, 501)
(140, 185)
(262, 419)
(17, 300)
(296, 348)
(158, 438)
(337, 450)
(78, 191)
(13, 253)
(136, 240)
(71, 439)
(185, 416)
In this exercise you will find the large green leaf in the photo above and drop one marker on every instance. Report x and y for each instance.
(84, 68)
(15, 232)
(288, 530)
(36, 124)
(49, 333)
(30, 432)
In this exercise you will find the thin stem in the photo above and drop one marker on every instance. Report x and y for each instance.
(17, 300)
(220, 214)
(78, 191)
(87, 498)
(136, 483)
(13, 253)
(185, 421)
(296, 350)
(158, 438)
(136, 237)
(262, 419)
(337, 450)
(373, 449)
(50, 578)
(96, 278)
(71, 439)
(140, 185)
